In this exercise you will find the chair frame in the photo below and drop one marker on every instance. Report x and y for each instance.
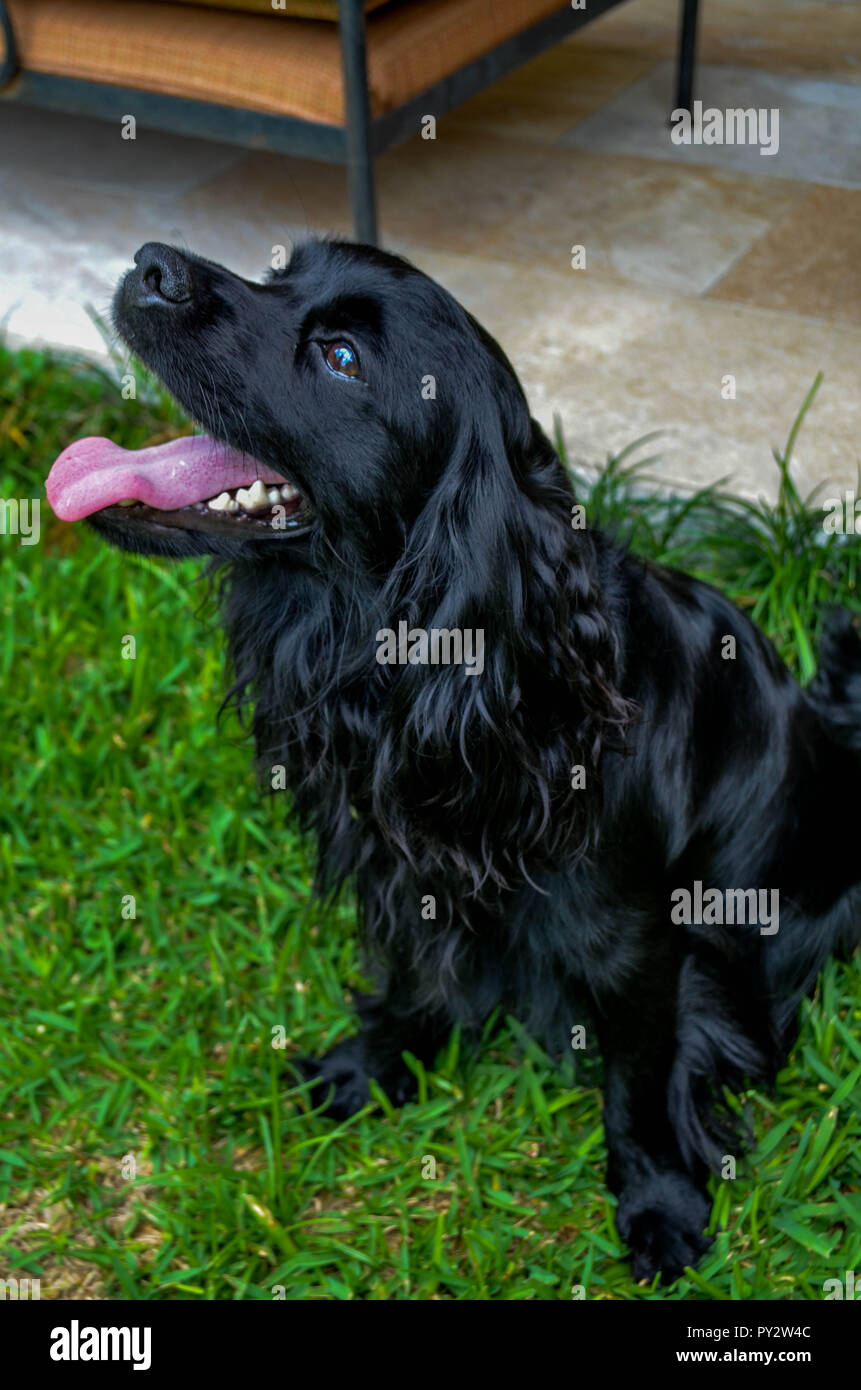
(362, 137)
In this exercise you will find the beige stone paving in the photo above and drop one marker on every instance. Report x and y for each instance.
(694, 270)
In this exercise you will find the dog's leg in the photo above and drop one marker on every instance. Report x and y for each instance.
(390, 1027)
(663, 1208)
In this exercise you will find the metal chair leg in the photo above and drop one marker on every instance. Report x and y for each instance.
(360, 164)
(687, 55)
(9, 57)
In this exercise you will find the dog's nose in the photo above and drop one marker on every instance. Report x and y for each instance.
(163, 276)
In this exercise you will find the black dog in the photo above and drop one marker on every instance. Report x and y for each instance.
(524, 831)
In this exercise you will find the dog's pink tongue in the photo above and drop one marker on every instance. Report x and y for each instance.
(96, 473)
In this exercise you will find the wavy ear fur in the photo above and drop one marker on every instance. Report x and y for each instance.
(473, 773)
(466, 778)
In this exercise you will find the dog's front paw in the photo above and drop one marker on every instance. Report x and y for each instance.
(343, 1075)
(340, 1075)
(662, 1221)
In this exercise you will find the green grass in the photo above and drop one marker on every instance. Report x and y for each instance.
(151, 1037)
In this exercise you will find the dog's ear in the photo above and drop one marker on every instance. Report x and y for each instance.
(490, 773)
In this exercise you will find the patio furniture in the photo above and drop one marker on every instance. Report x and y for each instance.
(335, 80)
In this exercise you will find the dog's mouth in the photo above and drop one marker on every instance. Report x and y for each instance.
(194, 483)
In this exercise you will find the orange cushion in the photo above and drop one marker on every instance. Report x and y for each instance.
(277, 64)
(306, 9)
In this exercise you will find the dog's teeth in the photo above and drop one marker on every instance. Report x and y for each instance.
(274, 495)
(288, 492)
(252, 497)
(220, 503)
(233, 505)
(127, 502)
(258, 494)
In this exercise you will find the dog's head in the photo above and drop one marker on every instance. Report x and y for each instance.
(332, 397)
(370, 461)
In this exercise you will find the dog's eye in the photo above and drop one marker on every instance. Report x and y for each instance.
(341, 358)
